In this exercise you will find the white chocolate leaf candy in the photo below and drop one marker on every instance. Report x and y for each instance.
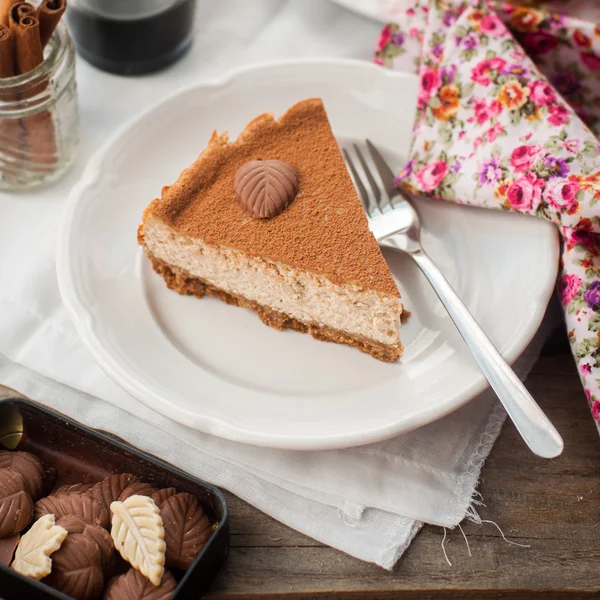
(32, 557)
(139, 536)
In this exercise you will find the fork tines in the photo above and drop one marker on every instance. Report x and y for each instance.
(367, 179)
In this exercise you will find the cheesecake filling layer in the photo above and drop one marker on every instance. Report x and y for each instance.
(305, 296)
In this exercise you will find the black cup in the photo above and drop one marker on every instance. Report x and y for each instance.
(131, 37)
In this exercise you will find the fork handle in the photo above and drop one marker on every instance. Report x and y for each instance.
(533, 425)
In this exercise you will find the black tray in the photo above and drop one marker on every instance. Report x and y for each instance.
(77, 454)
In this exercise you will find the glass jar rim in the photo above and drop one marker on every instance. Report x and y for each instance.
(58, 46)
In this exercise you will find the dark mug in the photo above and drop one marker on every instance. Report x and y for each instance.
(131, 37)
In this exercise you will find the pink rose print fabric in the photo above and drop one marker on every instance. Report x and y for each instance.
(507, 117)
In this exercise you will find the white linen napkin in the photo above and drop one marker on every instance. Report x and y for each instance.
(369, 501)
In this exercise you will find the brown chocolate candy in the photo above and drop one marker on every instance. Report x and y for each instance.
(75, 524)
(16, 505)
(29, 465)
(187, 529)
(137, 488)
(77, 568)
(109, 489)
(161, 496)
(7, 549)
(134, 586)
(265, 188)
(82, 488)
(73, 503)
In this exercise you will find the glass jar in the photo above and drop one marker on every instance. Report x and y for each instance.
(39, 119)
(131, 37)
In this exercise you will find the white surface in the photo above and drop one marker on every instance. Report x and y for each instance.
(367, 501)
(219, 369)
(378, 10)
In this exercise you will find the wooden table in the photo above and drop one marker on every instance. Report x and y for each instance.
(552, 506)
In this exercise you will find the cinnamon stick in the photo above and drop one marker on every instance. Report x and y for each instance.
(22, 9)
(26, 31)
(11, 130)
(49, 13)
(38, 139)
(5, 6)
(7, 52)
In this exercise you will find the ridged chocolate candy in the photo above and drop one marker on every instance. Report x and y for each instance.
(134, 586)
(7, 549)
(29, 466)
(33, 554)
(109, 489)
(74, 524)
(16, 505)
(77, 568)
(137, 488)
(82, 488)
(265, 188)
(163, 495)
(138, 534)
(73, 503)
(187, 529)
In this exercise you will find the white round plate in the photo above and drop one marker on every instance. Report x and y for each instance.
(217, 368)
(378, 10)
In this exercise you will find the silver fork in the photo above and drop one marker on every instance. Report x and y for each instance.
(395, 224)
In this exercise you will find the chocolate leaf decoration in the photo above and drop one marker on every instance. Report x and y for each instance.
(134, 586)
(82, 488)
(7, 549)
(138, 534)
(74, 524)
(109, 489)
(162, 495)
(32, 557)
(16, 505)
(187, 529)
(76, 568)
(73, 503)
(265, 188)
(29, 465)
(140, 488)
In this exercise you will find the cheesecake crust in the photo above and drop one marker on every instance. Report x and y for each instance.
(186, 284)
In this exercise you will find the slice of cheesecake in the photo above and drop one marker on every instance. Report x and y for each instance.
(272, 222)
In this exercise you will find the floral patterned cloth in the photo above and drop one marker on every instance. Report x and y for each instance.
(508, 101)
